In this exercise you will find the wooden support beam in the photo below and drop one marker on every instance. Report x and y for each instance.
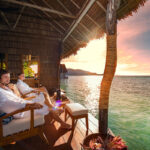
(111, 16)
(51, 18)
(69, 12)
(49, 6)
(5, 19)
(93, 21)
(60, 16)
(101, 6)
(40, 8)
(18, 18)
(110, 66)
(56, 22)
(64, 7)
(74, 25)
(54, 27)
(75, 4)
(86, 15)
(85, 27)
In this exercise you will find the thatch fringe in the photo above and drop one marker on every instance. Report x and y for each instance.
(101, 32)
(134, 10)
(76, 48)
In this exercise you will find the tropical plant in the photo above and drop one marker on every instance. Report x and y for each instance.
(28, 70)
(113, 143)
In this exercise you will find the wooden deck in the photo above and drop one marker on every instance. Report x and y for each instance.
(60, 139)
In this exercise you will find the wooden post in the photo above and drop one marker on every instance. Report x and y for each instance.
(110, 66)
(59, 60)
(49, 64)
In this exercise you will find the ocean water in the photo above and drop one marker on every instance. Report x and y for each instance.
(129, 105)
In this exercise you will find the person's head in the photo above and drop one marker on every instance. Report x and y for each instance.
(4, 77)
(52, 91)
(21, 76)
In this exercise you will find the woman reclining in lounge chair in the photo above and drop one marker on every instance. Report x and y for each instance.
(40, 94)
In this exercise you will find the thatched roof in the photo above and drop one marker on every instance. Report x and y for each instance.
(92, 26)
(75, 22)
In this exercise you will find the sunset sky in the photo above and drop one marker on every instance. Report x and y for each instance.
(133, 48)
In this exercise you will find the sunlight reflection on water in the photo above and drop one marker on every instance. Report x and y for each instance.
(129, 109)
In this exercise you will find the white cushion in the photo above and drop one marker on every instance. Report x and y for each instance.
(76, 109)
(18, 125)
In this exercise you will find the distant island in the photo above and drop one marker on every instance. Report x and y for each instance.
(79, 72)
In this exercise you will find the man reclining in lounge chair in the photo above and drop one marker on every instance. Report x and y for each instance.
(10, 102)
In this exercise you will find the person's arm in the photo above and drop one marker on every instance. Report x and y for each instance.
(29, 98)
(24, 95)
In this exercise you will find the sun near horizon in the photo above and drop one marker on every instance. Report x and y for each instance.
(92, 58)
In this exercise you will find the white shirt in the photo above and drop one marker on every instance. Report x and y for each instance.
(10, 102)
(25, 88)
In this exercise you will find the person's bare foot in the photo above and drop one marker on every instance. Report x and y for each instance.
(65, 126)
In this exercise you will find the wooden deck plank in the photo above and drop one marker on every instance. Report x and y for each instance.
(60, 139)
(74, 138)
(79, 133)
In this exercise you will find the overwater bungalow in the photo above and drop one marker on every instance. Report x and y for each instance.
(47, 31)
(63, 71)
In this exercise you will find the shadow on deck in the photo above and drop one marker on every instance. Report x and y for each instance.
(60, 139)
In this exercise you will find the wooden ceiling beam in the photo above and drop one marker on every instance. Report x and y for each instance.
(87, 14)
(75, 4)
(61, 16)
(66, 9)
(93, 21)
(51, 17)
(54, 27)
(83, 13)
(85, 27)
(40, 8)
(52, 8)
(69, 12)
(18, 18)
(5, 19)
(101, 6)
